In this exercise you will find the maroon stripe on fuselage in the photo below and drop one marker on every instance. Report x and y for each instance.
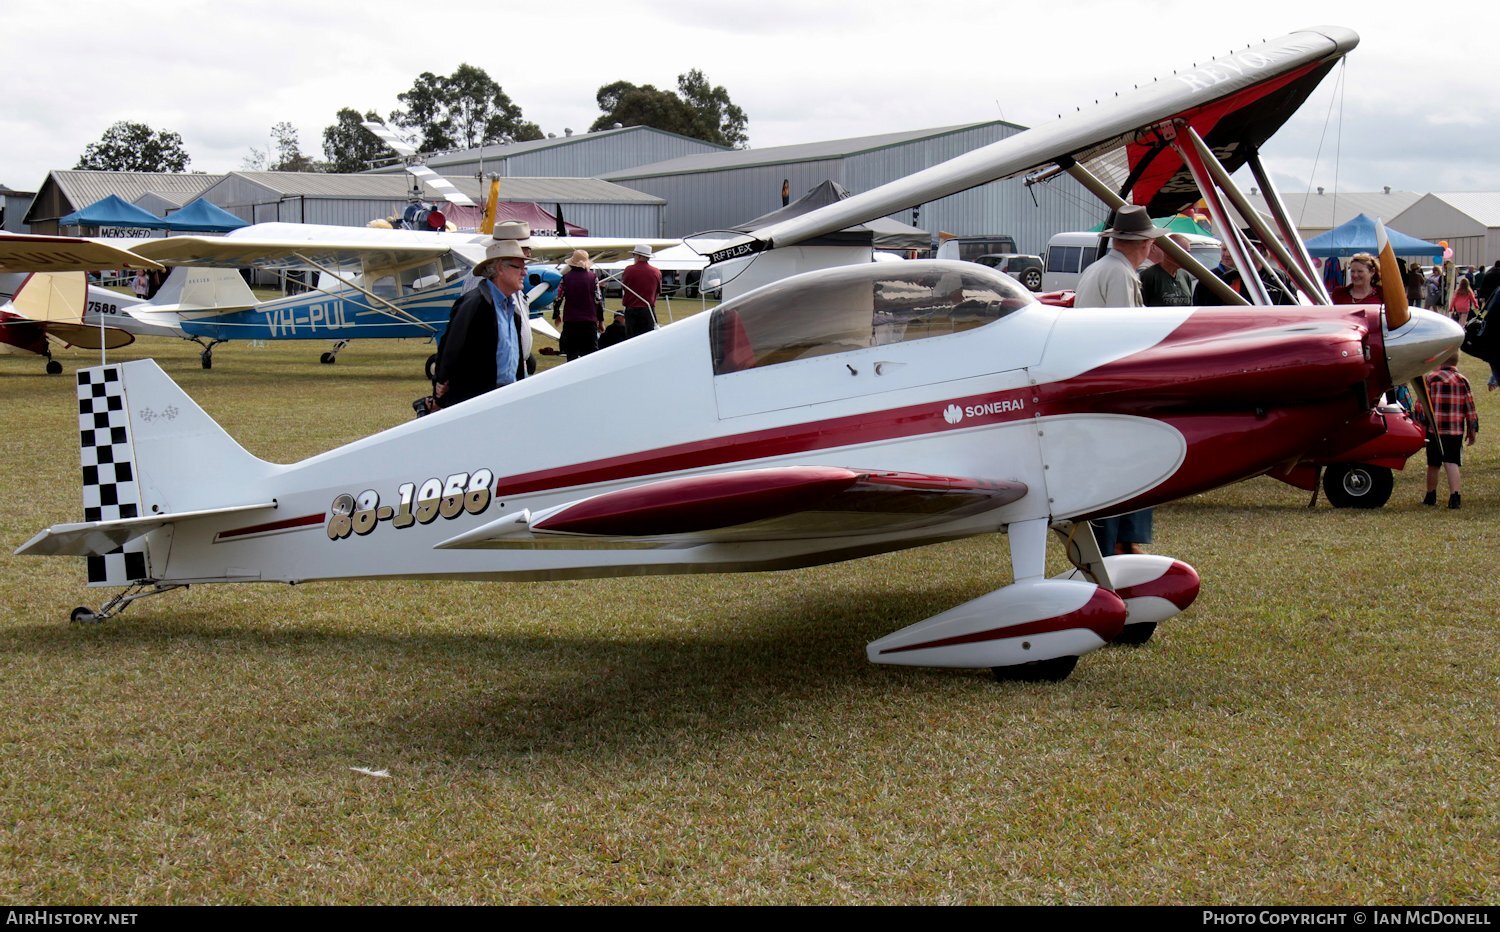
(875, 426)
(284, 525)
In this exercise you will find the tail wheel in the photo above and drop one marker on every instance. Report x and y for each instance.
(54, 367)
(326, 359)
(1357, 485)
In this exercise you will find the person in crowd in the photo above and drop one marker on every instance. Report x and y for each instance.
(1451, 424)
(1364, 272)
(488, 340)
(1413, 282)
(580, 307)
(642, 283)
(1490, 284)
(1435, 290)
(1112, 281)
(615, 332)
(1465, 302)
(1167, 284)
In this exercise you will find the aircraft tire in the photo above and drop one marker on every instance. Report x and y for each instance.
(206, 360)
(1357, 485)
(1137, 634)
(82, 614)
(54, 367)
(1040, 671)
(326, 359)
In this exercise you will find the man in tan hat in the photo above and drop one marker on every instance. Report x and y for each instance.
(580, 307)
(488, 337)
(518, 230)
(1112, 280)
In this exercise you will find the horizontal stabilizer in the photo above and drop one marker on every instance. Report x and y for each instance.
(96, 538)
(776, 503)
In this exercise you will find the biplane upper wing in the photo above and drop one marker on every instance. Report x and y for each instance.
(774, 503)
(24, 252)
(1234, 101)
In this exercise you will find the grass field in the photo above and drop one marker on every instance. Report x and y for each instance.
(1321, 727)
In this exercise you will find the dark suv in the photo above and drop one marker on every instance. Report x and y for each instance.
(1023, 268)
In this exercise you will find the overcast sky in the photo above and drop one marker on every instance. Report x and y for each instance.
(1415, 109)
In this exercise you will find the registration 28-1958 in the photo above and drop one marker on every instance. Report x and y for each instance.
(461, 493)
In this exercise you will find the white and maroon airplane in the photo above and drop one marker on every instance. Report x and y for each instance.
(824, 417)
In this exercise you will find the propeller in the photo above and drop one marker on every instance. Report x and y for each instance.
(1397, 311)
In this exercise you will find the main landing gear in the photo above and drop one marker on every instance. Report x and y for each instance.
(87, 616)
(1035, 629)
(1357, 485)
(330, 357)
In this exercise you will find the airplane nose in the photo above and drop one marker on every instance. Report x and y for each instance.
(1418, 346)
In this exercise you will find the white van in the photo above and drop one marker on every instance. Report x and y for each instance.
(1068, 254)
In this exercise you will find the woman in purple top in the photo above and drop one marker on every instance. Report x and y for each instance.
(579, 307)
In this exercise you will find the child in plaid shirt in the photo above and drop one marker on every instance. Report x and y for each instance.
(1452, 423)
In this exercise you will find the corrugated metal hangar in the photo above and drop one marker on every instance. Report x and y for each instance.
(716, 191)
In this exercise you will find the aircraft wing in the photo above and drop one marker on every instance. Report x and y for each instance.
(255, 252)
(599, 248)
(24, 252)
(1235, 101)
(776, 503)
(679, 258)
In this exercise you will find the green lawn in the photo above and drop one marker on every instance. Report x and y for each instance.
(1319, 728)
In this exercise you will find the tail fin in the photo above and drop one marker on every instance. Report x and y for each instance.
(150, 456)
(52, 296)
(205, 289)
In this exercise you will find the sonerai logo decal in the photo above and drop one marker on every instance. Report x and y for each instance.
(954, 414)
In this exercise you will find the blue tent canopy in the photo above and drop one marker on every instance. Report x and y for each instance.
(113, 211)
(1358, 235)
(203, 217)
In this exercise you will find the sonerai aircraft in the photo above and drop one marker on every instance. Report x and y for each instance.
(825, 417)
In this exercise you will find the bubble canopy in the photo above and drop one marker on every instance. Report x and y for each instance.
(856, 307)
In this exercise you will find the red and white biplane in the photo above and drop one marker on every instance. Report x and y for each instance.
(828, 416)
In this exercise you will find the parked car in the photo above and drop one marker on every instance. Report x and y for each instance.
(969, 248)
(1023, 268)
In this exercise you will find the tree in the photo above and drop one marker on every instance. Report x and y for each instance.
(348, 146)
(289, 157)
(696, 109)
(464, 109)
(716, 118)
(135, 147)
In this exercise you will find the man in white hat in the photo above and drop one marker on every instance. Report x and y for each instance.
(642, 283)
(1112, 280)
(488, 337)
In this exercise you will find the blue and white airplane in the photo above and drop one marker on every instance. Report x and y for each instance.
(371, 283)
